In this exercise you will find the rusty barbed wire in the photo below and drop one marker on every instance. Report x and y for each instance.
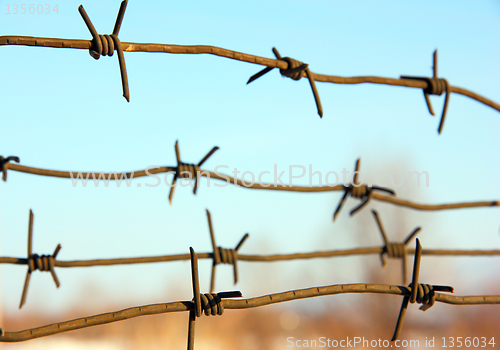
(189, 171)
(295, 70)
(215, 303)
(359, 191)
(435, 86)
(4, 166)
(221, 255)
(36, 262)
(107, 44)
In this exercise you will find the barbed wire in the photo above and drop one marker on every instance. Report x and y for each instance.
(215, 303)
(364, 192)
(220, 255)
(105, 45)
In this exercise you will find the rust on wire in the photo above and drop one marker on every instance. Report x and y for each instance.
(229, 256)
(212, 305)
(106, 44)
(295, 70)
(360, 191)
(435, 86)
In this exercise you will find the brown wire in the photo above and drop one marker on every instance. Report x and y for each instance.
(105, 45)
(419, 293)
(215, 256)
(362, 192)
(286, 66)
(195, 306)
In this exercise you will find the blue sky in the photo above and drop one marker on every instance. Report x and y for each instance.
(63, 110)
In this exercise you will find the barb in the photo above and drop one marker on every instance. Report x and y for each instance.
(210, 303)
(105, 45)
(394, 250)
(424, 294)
(48, 263)
(36, 262)
(295, 70)
(435, 86)
(4, 165)
(283, 64)
(188, 171)
(360, 191)
(363, 192)
(194, 307)
(223, 256)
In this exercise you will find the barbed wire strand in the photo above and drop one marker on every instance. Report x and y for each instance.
(190, 171)
(221, 255)
(424, 294)
(196, 305)
(106, 44)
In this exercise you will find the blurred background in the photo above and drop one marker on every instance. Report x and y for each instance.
(63, 110)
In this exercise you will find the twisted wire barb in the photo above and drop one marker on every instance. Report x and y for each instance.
(186, 170)
(36, 262)
(435, 86)
(105, 45)
(424, 294)
(211, 303)
(223, 256)
(360, 191)
(4, 165)
(102, 44)
(228, 256)
(394, 250)
(295, 70)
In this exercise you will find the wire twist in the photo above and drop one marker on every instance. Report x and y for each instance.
(36, 262)
(187, 170)
(210, 303)
(105, 45)
(392, 249)
(435, 86)
(359, 191)
(41, 263)
(4, 165)
(295, 70)
(228, 256)
(222, 255)
(418, 293)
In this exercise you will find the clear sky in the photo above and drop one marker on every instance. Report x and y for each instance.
(61, 109)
